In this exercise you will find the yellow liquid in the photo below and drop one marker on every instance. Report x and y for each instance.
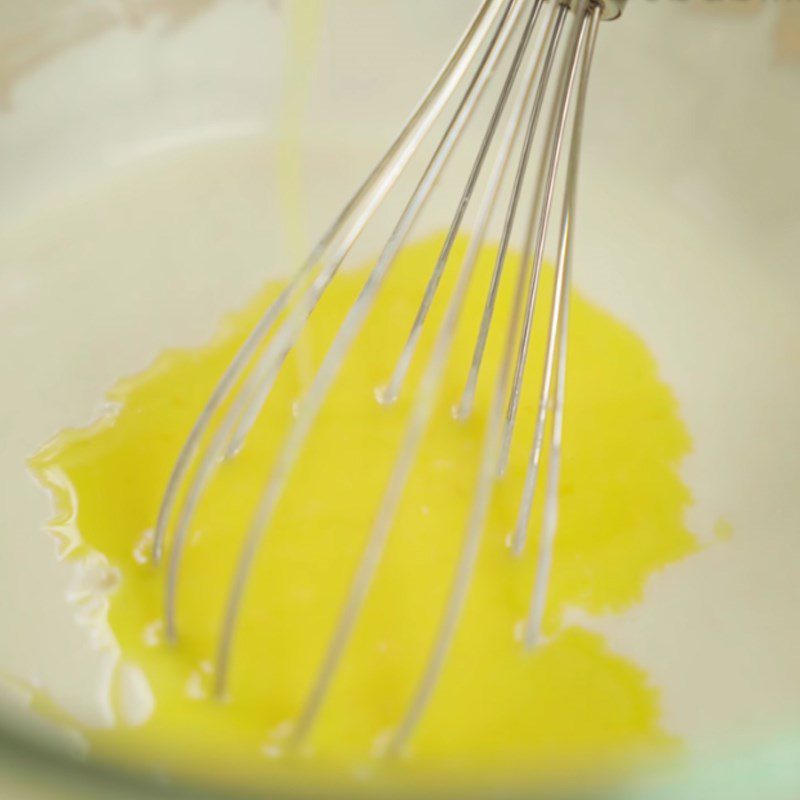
(571, 702)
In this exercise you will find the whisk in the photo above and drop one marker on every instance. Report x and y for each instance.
(551, 48)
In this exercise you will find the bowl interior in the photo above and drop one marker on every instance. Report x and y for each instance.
(146, 193)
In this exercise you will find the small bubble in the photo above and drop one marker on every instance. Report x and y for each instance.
(385, 395)
(94, 579)
(380, 745)
(459, 412)
(282, 730)
(196, 535)
(272, 751)
(134, 696)
(111, 408)
(196, 686)
(296, 409)
(723, 530)
(363, 772)
(153, 634)
(143, 549)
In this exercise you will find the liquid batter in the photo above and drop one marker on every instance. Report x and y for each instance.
(572, 702)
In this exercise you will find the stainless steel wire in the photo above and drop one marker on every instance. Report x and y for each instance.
(249, 379)
(488, 471)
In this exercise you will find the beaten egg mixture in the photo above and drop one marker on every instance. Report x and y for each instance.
(571, 701)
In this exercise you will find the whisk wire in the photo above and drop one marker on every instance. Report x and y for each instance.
(247, 383)
(542, 210)
(557, 349)
(519, 539)
(327, 371)
(427, 392)
(375, 188)
(428, 109)
(486, 481)
(407, 354)
(543, 67)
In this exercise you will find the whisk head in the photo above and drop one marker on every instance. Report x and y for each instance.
(533, 140)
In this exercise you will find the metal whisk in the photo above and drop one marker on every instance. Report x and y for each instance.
(552, 46)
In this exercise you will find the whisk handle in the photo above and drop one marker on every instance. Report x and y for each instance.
(612, 9)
